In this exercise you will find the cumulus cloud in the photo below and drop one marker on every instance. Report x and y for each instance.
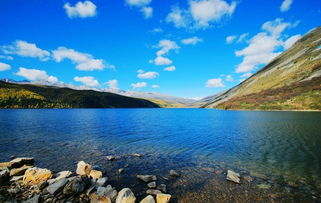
(85, 62)
(192, 40)
(25, 49)
(170, 68)
(155, 86)
(6, 57)
(36, 75)
(229, 78)
(230, 39)
(285, 6)
(80, 9)
(139, 85)
(147, 11)
(289, 42)
(87, 80)
(157, 30)
(264, 46)
(138, 3)
(215, 82)
(165, 46)
(147, 75)
(112, 85)
(200, 13)
(242, 37)
(4, 66)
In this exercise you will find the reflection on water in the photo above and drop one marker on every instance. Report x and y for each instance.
(284, 146)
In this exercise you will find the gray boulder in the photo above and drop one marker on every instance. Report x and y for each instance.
(58, 186)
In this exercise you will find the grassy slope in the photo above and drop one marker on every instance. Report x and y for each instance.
(292, 81)
(36, 96)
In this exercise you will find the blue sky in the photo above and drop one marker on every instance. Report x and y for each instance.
(187, 48)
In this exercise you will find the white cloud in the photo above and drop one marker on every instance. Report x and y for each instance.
(85, 62)
(230, 39)
(201, 13)
(206, 11)
(6, 57)
(157, 30)
(113, 85)
(165, 47)
(289, 42)
(216, 82)
(285, 6)
(81, 9)
(23, 48)
(36, 75)
(160, 61)
(4, 66)
(264, 46)
(87, 80)
(138, 3)
(147, 11)
(155, 86)
(170, 68)
(147, 75)
(246, 75)
(192, 40)
(139, 85)
(229, 78)
(242, 37)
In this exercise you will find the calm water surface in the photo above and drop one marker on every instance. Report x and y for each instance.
(285, 147)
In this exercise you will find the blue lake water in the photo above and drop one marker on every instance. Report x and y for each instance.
(283, 146)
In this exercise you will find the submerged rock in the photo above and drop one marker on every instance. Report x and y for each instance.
(148, 199)
(248, 179)
(36, 175)
(232, 176)
(147, 178)
(137, 155)
(110, 158)
(121, 170)
(264, 186)
(58, 186)
(83, 168)
(151, 185)
(173, 173)
(126, 196)
(163, 198)
(162, 187)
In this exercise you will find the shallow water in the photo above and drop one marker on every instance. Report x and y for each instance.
(282, 146)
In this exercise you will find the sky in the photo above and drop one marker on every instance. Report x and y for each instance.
(185, 48)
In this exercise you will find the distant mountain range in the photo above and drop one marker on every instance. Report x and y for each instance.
(16, 95)
(291, 81)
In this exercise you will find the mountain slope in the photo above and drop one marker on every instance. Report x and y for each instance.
(39, 96)
(291, 81)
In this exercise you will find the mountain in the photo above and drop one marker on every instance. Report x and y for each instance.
(14, 95)
(291, 81)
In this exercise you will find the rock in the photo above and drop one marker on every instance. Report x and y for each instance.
(110, 158)
(162, 187)
(102, 181)
(148, 199)
(108, 191)
(36, 175)
(4, 176)
(96, 174)
(90, 190)
(258, 175)
(165, 178)
(137, 155)
(293, 184)
(153, 192)
(34, 199)
(218, 171)
(19, 171)
(264, 186)
(248, 179)
(126, 196)
(63, 174)
(4, 165)
(75, 186)
(16, 178)
(43, 185)
(94, 198)
(173, 173)
(151, 185)
(58, 186)
(121, 170)
(83, 168)
(232, 176)
(163, 198)
(147, 178)
(18, 162)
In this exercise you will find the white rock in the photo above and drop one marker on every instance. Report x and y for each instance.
(126, 196)
(83, 168)
(148, 199)
(232, 176)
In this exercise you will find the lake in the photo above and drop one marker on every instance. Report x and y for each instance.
(281, 151)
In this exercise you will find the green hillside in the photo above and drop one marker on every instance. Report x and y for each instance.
(38, 96)
(291, 81)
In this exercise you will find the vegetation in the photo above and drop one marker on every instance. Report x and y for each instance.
(37, 96)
